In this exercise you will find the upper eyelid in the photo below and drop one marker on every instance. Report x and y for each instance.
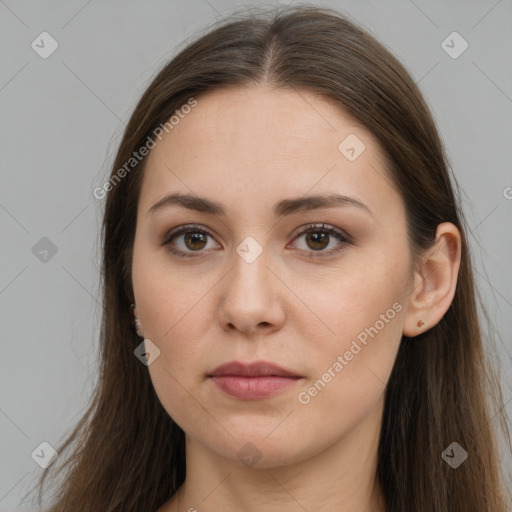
(180, 230)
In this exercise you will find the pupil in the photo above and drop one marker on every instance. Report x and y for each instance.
(194, 238)
(318, 239)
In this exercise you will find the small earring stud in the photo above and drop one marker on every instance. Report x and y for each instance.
(420, 323)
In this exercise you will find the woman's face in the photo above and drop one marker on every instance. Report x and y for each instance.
(270, 275)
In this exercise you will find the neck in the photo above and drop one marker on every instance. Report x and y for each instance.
(342, 477)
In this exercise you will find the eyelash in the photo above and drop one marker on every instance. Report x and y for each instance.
(194, 228)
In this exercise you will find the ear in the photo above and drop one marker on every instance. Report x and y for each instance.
(138, 324)
(435, 281)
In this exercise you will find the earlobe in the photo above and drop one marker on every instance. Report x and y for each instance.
(435, 282)
(138, 324)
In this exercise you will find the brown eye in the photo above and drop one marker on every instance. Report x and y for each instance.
(318, 237)
(195, 240)
(187, 240)
(317, 240)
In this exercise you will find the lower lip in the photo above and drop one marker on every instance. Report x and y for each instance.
(253, 387)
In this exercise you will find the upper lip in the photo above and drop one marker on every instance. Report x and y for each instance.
(256, 369)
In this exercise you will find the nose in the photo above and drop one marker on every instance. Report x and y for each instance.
(251, 297)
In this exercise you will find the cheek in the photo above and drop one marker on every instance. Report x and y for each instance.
(351, 372)
(350, 300)
(352, 367)
(177, 395)
(352, 353)
(168, 297)
(167, 305)
(177, 374)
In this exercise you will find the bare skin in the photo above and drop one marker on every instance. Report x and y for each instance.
(311, 448)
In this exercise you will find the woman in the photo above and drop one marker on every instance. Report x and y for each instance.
(281, 226)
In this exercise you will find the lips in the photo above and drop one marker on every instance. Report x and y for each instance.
(252, 381)
(257, 369)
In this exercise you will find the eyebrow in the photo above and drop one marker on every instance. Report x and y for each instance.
(280, 209)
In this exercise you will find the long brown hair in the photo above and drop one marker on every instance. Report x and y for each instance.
(126, 453)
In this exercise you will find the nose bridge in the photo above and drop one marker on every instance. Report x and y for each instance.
(250, 296)
(250, 266)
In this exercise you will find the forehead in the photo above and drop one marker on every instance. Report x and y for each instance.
(252, 144)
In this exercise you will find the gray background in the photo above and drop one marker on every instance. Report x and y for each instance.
(63, 116)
